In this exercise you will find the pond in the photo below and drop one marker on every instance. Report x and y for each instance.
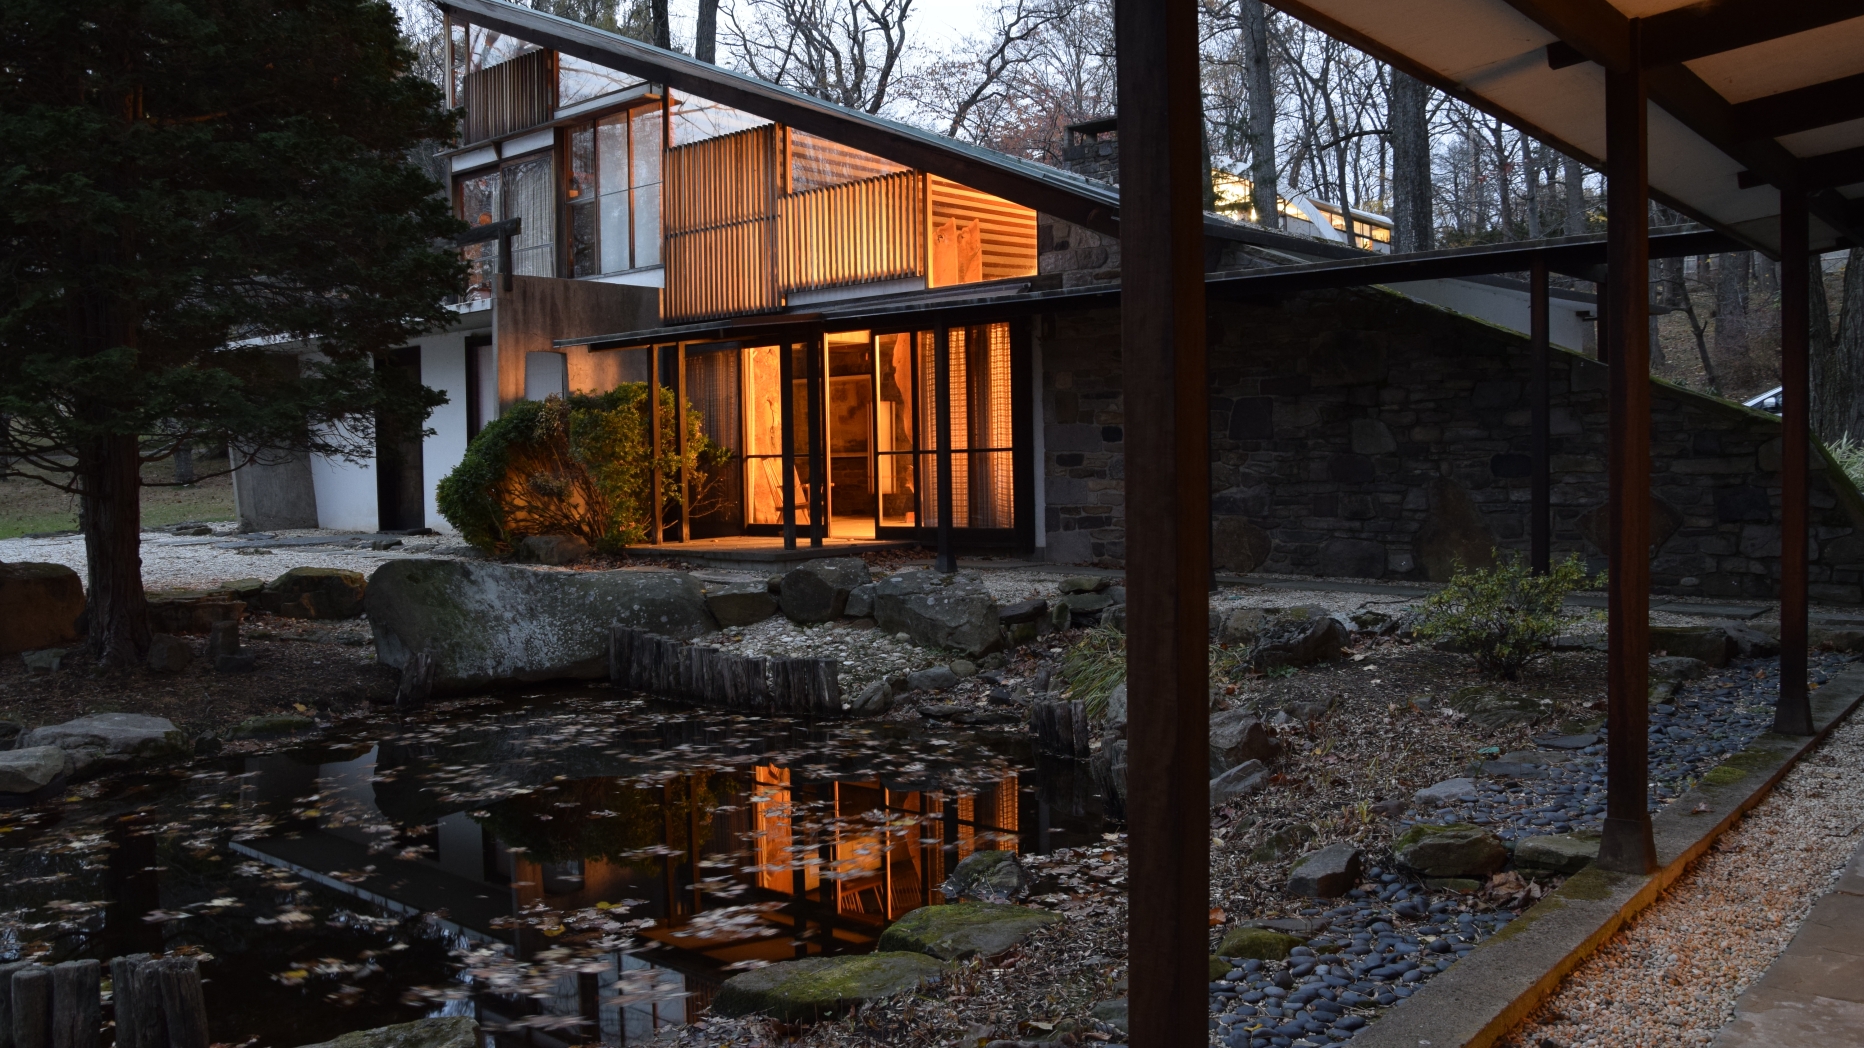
(562, 866)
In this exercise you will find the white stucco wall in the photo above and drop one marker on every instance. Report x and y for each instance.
(345, 493)
(443, 367)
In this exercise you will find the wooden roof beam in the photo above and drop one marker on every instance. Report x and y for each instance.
(1715, 26)
(1825, 171)
(1802, 109)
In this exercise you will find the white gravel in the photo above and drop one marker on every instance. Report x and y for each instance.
(197, 562)
(1672, 978)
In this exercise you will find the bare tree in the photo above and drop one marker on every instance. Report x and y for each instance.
(1263, 174)
(1838, 357)
(846, 51)
(975, 91)
(705, 32)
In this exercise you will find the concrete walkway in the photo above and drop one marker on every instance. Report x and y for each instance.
(1813, 996)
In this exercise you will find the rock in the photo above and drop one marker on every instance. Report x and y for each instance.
(860, 601)
(553, 549)
(1240, 781)
(1257, 944)
(1708, 645)
(1677, 668)
(1567, 742)
(455, 1031)
(962, 668)
(1024, 611)
(1114, 716)
(1556, 852)
(813, 987)
(1493, 708)
(45, 660)
(32, 769)
(270, 724)
(1825, 638)
(1238, 547)
(169, 654)
(1447, 792)
(875, 698)
(192, 613)
(1750, 643)
(1237, 736)
(1113, 1013)
(817, 590)
(1456, 850)
(316, 593)
(939, 611)
(1083, 606)
(989, 876)
(484, 622)
(1328, 873)
(1297, 638)
(1241, 626)
(1454, 532)
(223, 639)
(1114, 618)
(104, 741)
(1059, 616)
(1083, 584)
(241, 663)
(40, 606)
(932, 678)
(1108, 767)
(774, 584)
(1579, 642)
(966, 929)
(1282, 843)
(1353, 559)
(741, 605)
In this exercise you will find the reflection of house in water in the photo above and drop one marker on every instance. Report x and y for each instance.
(733, 868)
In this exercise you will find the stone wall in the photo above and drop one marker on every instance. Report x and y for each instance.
(1362, 434)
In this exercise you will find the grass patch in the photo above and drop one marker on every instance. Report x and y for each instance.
(1095, 666)
(28, 507)
(1723, 776)
(1592, 884)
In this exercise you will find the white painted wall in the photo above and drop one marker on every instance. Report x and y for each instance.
(443, 367)
(1504, 307)
(345, 493)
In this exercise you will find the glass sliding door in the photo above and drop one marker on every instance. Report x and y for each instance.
(980, 421)
(894, 426)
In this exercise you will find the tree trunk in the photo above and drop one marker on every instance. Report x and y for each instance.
(1262, 172)
(184, 463)
(1847, 352)
(110, 512)
(1834, 379)
(1731, 287)
(1575, 198)
(705, 32)
(1411, 198)
(663, 28)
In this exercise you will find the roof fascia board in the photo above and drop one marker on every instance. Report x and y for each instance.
(1052, 192)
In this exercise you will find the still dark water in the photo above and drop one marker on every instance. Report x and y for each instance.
(563, 867)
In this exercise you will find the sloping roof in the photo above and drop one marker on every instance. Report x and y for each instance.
(1050, 190)
(1745, 95)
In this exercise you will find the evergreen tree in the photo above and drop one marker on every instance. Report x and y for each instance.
(186, 186)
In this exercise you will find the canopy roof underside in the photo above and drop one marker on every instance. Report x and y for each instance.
(1745, 95)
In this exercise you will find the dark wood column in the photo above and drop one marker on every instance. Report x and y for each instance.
(1540, 526)
(1627, 846)
(818, 441)
(653, 438)
(685, 441)
(1167, 420)
(786, 413)
(1793, 715)
(947, 561)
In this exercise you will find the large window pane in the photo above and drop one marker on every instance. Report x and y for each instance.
(817, 162)
(982, 482)
(531, 197)
(763, 435)
(579, 81)
(697, 119)
(893, 428)
(615, 235)
(480, 206)
(647, 145)
(612, 153)
(647, 226)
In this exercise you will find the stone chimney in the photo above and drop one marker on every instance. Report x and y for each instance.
(1092, 149)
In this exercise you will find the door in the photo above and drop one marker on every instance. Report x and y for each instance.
(853, 491)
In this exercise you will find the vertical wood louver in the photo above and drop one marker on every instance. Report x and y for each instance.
(853, 233)
(510, 96)
(721, 219)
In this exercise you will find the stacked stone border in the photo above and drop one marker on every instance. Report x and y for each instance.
(1483, 998)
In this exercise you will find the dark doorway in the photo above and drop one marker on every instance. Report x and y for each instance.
(400, 488)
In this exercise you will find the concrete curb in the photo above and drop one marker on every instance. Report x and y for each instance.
(1490, 991)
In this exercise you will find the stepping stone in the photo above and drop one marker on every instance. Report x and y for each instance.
(812, 987)
(965, 929)
(32, 769)
(449, 1032)
(1556, 852)
(1567, 742)
(1328, 873)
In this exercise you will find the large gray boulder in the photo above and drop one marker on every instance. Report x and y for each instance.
(106, 741)
(817, 590)
(32, 769)
(743, 604)
(484, 623)
(1328, 873)
(1298, 637)
(988, 876)
(965, 929)
(456, 1031)
(815, 987)
(1456, 850)
(1241, 781)
(939, 611)
(1237, 736)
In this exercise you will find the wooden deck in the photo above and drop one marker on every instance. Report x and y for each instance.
(765, 552)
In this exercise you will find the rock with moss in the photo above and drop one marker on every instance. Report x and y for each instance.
(315, 593)
(988, 876)
(815, 987)
(486, 623)
(455, 1031)
(964, 929)
(266, 725)
(1566, 853)
(1260, 944)
(1456, 850)
(1495, 708)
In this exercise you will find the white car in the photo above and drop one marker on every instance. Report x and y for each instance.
(1768, 401)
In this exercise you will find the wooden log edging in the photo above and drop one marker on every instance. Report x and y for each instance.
(157, 1003)
(1061, 728)
(1475, 1005)
(705, 676)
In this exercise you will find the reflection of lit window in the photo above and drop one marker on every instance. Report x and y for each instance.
(579, 81)
(562, 878)
(520, 189)
(480, 206)
(614, 193)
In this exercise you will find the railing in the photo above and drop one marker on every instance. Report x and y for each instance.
(509, 96)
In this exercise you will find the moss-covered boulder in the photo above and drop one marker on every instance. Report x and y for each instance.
(450, 1032)
(814, 987)
(315, 593)
(1455, 850)
(486, 623)
(964, 929)
(1261, 944)
(992, 876)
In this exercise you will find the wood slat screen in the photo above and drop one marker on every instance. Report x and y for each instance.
(853, 233)
(721, 226)
(510, 96)
(976, 236)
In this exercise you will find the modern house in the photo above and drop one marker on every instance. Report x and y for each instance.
(891, 330)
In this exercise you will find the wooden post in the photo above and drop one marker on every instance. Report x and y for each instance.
(685, 438)
(1540, 524)
(941, 385)
(6, 1000)
(136, 1001)
(1167, 413)
(653, 437)
(786, 376)
(32, 1007)
(183, 1007)
(77, 1005)
(818, 442)
(1627, 845)
(1793, 714)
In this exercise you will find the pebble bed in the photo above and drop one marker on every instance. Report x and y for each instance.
(1707, 719)
(1383, 942)
(1672, 979)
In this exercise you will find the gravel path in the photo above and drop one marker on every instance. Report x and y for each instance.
(1671, 979)
(172, 561)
